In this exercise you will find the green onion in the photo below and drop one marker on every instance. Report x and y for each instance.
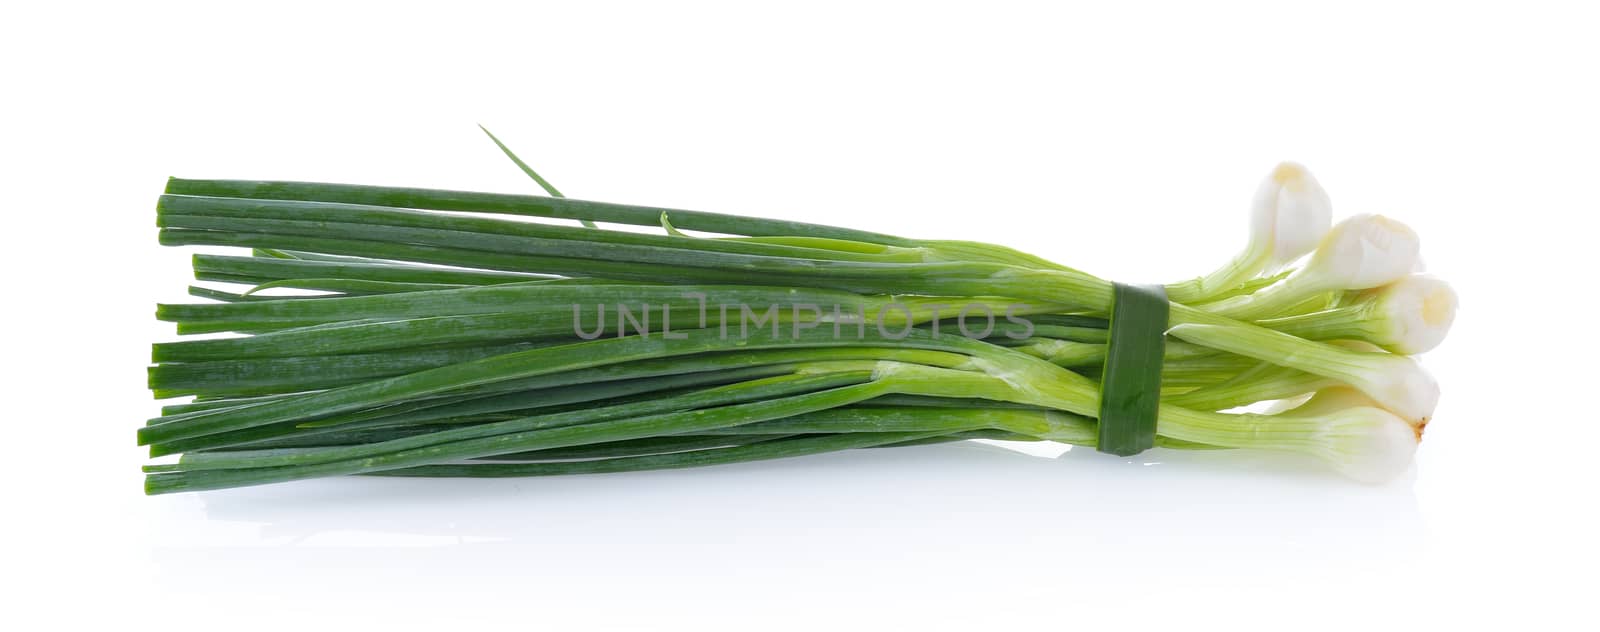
(450, 333)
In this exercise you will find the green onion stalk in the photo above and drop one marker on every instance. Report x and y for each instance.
(414, 332)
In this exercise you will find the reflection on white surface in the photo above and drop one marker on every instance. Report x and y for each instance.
(971, 482)
(981, 519)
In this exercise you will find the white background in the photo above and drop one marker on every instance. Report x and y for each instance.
(1122, 139)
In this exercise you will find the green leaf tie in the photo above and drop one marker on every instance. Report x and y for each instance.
(1130, 389)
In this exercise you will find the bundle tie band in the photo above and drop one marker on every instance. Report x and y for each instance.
(1130, 388)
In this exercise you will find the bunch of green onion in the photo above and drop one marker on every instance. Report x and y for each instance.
(461, 334)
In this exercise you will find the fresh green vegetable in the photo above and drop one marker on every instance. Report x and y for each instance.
(449, 333)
